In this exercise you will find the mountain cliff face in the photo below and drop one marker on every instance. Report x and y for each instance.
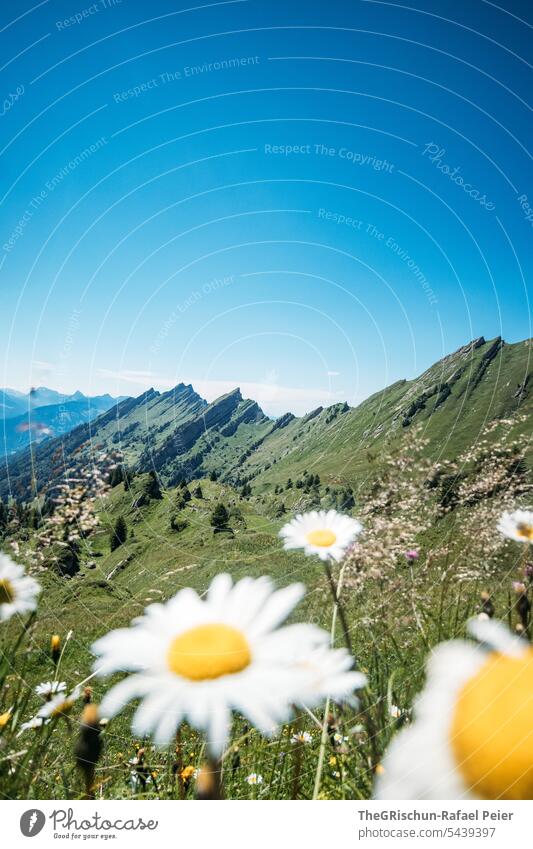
(180, 436)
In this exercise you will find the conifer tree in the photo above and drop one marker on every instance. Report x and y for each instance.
(219, 517)
(119, 533)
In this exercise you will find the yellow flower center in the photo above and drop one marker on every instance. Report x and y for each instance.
(492, 728)
(7, 591)
(209, 651)
(323, 538)
(526, 531)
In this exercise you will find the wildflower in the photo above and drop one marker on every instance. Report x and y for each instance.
(60, 705)
(472, 737)
(339, 739)
(187, 773)
(302, 737)
(202, 658)
(208, 785)
(50, 688)
(18, 592)
(254, 778)
(4, 718)
(34, 722)
(327, 534)
(88, 746)
(517, 525)
(519, 587)
(411, 555)
(55, 647)
(486, 605)
(395, 712)
(325, 673)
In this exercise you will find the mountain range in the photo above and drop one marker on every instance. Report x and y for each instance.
(179, 435)
(43, 413)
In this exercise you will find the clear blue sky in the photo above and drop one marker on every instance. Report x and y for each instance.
(260, 193)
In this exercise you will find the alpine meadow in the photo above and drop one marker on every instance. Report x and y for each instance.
(266, 405)
(401, 539)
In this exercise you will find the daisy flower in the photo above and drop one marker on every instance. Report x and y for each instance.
(50, 688)
(18, 592)
(302, 737)
(254, 778)
(59, 705)
(517, 525)
(472, 737)
(324, 673)
(325, 533)
(34, 722)
(395, 712)
(339, 738)
(200, 658)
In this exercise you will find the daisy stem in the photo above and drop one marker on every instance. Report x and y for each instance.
(335, 590)
(337, 606)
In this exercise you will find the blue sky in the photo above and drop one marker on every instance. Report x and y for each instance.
(309, 200)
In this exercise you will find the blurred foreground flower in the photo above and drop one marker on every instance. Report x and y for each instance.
(18, 592)
(5, 717)
(199, 659)
(254, 778)
(517, 525)
(472, 737)
(88, 746)
(59, 705)
(325, 533)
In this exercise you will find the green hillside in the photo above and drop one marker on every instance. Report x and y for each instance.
(452, 402)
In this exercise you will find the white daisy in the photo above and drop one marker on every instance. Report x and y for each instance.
(254, 778)
(199, 659)
(517, 525)
(395, 712)
(324, 673)
(50, 688)
(302, 737)
(60, 705)
(339, 739)
(472, 737)
(18, 592)
(34, 722)
(325, 533)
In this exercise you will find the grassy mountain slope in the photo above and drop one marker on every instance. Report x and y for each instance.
(452, 401)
